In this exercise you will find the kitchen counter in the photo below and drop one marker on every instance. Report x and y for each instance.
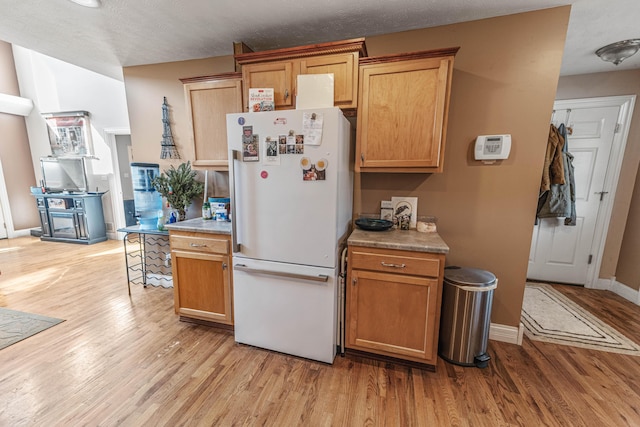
(200, 225)
(406, 240)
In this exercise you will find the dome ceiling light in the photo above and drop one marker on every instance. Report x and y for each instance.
(87, 3)
(619, 51)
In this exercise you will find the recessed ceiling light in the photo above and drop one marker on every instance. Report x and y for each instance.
(87, 3)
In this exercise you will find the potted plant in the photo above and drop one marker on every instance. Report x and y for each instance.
(179, 186)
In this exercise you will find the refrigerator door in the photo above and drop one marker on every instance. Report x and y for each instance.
(287, 308)
(277, 215)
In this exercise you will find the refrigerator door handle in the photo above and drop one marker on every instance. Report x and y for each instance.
(233, 156)
(318, 278)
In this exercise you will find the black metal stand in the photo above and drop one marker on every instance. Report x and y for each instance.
(148, 257)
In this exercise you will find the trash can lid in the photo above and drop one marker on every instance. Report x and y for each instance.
(468, 276)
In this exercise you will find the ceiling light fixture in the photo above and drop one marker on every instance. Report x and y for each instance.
(87, 3)
(619, 51)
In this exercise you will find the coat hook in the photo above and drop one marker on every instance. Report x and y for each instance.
(566, 122)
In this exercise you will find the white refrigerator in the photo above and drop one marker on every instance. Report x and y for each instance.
(291, 185)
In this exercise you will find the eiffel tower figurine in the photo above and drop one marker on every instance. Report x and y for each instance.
(169, 150)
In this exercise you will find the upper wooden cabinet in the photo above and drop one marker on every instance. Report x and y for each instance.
(403, 108)
(208, 100)
(278, 75)
(279, 69)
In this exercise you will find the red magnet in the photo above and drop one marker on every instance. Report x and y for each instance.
(264, 174)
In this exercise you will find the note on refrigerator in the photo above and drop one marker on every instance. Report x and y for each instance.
(312, 128)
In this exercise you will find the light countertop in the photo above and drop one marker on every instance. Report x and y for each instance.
(406, 240)
(200, 225)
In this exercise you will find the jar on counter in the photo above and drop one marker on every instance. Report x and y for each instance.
(206, 210)
(221, 214)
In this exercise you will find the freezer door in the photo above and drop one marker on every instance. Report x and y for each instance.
(279, 216)
(287, 308)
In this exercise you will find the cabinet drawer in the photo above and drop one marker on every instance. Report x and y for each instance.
(392, 261)
(200, 244)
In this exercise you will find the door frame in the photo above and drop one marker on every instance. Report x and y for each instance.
(117, 202)
(603, 219)
(6, 229)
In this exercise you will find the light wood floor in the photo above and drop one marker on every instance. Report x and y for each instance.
(120, 360)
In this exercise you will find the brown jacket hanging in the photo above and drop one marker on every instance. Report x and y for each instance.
(553, 171)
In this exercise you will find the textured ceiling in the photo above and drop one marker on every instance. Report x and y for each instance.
(135, 32)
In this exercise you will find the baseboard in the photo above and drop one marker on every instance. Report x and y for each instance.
(619, 289)
(603, 284)
(625, 292)
(504, 333)
(20, 233)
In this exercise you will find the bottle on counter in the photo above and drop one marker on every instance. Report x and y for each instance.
(161, 220)
(206, 210)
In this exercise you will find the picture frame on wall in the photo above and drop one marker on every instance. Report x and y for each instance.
(69, 133)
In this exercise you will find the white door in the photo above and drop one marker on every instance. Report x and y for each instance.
(561, 253)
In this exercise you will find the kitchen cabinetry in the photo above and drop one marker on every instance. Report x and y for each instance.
(201, 276)
(279, 69)
(393, 301)
(209, 99)
(403, 108)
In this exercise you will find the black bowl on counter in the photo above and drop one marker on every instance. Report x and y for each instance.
(373, 224)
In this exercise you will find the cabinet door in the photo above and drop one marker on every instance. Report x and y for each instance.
(207, 106)
(202, 286)
(44, 222)
(279, 75)
(345, 75)
(392, 314)
(82, 225)
(402, 116)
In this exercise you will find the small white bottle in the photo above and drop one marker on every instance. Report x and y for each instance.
(161, 220)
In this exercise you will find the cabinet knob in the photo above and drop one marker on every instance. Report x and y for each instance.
(286, 94)
(197, 245)
(224, 265)
(354, 281)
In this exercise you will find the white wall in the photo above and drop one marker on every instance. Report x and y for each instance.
(56, 86)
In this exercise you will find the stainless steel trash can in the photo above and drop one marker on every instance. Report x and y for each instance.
(467, 296)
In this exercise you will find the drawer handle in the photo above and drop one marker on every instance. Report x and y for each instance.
(386, 264)
(197, 245)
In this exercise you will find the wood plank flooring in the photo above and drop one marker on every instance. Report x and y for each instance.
(120, 360)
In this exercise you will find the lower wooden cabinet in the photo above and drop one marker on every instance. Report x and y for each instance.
(202, 276)
(393, 303)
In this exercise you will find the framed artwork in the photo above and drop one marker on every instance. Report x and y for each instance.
(405, 212)
(69, 133)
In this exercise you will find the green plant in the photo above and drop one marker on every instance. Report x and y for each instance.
(179, 186)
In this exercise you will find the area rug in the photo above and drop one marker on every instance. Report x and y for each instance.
(16, 325)
(548, 315)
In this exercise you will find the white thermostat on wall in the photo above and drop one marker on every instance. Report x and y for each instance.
(492, 147)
